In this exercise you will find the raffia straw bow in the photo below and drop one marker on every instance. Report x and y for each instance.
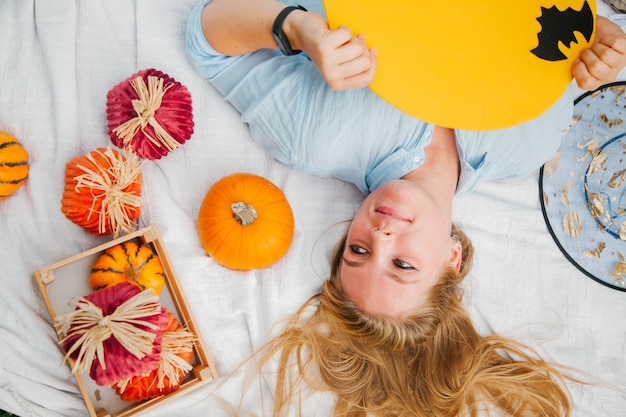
(109, 183)
(150, 98)
(94, 328)
(170, 364)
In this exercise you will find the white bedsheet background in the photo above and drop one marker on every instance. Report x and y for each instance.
(58, 59)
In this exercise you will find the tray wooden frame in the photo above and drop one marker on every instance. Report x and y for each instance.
(203, 370)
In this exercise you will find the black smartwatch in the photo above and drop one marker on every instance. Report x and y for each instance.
(279, 35)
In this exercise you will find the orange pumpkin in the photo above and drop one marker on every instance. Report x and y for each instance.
(174, 364)
(13, 165)
(245, 222)
(103, 191)
(128, 262)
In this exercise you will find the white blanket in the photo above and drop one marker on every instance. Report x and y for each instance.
(58, 59)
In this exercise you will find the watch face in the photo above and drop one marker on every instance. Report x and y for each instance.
(283, 43)
(280, 43)
(277, 30)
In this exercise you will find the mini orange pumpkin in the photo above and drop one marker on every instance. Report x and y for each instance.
(128, 262)
(13, 165)
(103, 191)
(245, 222)
(174, 364)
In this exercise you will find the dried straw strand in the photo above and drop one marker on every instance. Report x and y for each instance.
(170, 364)
(88, 321)
(108, 184)
(150, 99)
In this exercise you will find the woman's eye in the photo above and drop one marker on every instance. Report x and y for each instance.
(357, 250)
(401, 264)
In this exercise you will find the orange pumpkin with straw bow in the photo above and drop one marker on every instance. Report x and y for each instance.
(103, 191)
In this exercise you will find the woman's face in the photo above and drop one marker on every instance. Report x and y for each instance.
(397, 247)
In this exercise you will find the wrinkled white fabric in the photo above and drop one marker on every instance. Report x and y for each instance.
(58, 59)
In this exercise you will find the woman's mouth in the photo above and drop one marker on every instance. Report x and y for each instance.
(390, 213)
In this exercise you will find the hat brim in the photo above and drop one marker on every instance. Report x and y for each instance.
(583, 225)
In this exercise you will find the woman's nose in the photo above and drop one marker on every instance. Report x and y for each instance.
(381, 231)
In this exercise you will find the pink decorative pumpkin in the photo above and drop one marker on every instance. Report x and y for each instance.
(149, 113)
(115, 333)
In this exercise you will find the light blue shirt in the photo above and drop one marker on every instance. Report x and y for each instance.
(355, 135)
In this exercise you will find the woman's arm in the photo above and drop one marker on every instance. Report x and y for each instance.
(236, 27)
(601, 63)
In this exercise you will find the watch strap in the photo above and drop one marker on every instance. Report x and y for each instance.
(279, 35)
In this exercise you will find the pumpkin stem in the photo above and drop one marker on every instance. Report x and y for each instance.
(131, 273)
(244, 213)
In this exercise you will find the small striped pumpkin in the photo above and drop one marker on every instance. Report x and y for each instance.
(13, 165)
(128, 262)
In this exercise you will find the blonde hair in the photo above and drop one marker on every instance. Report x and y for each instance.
(431, 362)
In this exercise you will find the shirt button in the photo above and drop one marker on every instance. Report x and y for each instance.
(416, 159)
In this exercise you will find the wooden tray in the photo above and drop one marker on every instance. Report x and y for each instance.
(69, 278)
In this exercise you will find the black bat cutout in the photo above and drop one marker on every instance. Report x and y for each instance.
(557, 25)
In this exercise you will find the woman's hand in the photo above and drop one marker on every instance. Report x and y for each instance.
(601, 63)
(343, 59)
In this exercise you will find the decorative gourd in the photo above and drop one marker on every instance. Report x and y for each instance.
(245, 222)
(128, 262)
(13, 165)
(174, 364)
(114, 333)
(149, 113)
(103, 191)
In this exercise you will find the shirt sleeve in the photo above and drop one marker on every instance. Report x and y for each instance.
(260, 85)
(293, 114)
